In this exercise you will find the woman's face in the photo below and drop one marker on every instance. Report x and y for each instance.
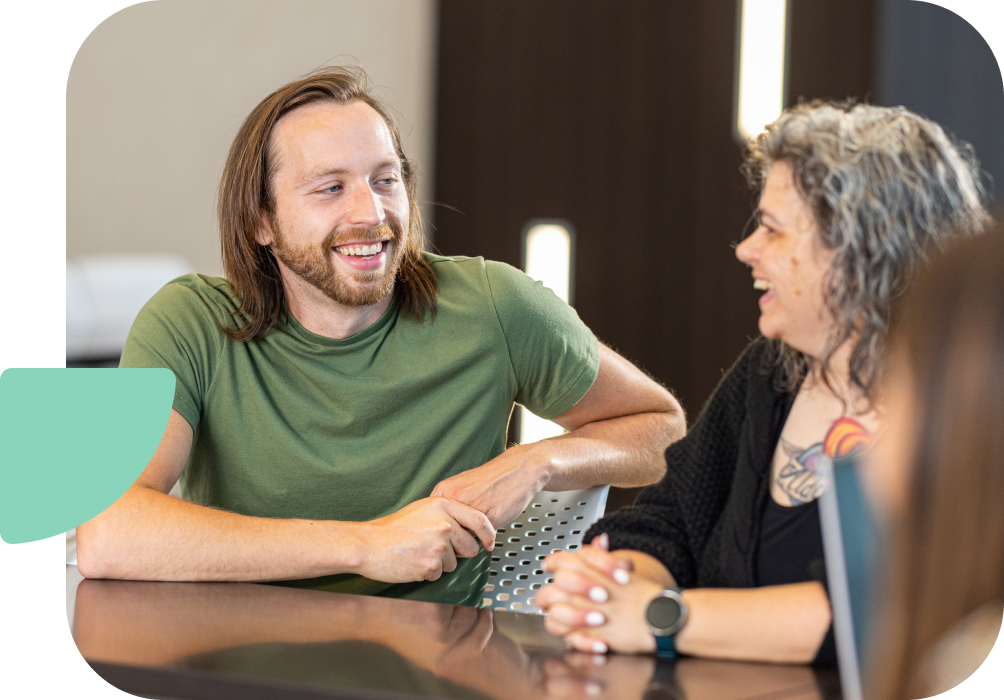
(789, 263)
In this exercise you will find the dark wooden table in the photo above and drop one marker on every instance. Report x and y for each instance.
(251, 641)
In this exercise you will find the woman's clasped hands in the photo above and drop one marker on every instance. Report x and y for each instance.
(598, 598)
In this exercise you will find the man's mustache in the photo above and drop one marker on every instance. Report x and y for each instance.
(363, 235)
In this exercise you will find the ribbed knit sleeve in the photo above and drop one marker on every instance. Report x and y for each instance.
(674, 519)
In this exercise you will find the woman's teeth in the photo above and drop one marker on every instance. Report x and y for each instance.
(762, 284)
(362, 250)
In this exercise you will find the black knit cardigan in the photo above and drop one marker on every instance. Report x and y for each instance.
(702, 520)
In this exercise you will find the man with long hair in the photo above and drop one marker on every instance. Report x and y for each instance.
(342, 397)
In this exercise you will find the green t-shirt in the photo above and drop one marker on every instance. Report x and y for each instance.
(297, 425)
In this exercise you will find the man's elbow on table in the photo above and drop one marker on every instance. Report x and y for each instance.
(676, 420)
(664, 423)
(632, 416)
(93, 550)
(102, 550)
(673, 422)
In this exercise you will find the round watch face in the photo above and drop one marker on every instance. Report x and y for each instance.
(663, 613)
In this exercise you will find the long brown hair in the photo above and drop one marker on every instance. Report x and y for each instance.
(948, 544)
(246, 198)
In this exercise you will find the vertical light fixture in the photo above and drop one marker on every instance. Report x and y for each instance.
(547, 257)
(761, 64)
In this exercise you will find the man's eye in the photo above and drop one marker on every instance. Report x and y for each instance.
(387, 180)
(333, 189)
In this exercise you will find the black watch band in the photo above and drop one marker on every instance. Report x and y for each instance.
(665, 647)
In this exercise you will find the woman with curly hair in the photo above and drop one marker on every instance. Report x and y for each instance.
(723, 557)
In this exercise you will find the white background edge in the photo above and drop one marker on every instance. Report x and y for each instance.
(38, 42)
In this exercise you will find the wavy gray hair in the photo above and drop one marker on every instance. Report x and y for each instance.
(887, 187)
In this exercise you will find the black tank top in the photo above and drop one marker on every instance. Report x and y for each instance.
(791, 551)
(791, 544)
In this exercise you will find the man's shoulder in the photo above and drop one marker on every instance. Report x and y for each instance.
(196, 295)
(448, 267)
(490, 275)
(466, 265)
(459, 274)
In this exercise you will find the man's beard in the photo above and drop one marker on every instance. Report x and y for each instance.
(314, 265)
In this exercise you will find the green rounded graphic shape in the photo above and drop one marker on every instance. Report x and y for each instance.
(72, 441)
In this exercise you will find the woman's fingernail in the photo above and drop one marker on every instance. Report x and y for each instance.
(593, 689)
(621, 576)
(599, 594)
(595, 618)
(603, 541)
(599, 647)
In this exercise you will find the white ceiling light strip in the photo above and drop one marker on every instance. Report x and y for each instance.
(762, 56)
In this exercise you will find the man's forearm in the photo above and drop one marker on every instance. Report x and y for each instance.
(627, 452)
(148, 535)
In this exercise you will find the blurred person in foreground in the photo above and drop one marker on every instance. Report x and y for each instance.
(937, 477)
(723, 558)
(342, 396)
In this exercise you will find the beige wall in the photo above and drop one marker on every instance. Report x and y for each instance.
(157, 92)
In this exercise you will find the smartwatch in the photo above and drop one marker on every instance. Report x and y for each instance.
(666, 615)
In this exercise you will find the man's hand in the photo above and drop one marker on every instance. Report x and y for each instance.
(500, 489)
(422, 540)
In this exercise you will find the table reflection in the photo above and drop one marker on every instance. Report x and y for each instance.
(330, 641)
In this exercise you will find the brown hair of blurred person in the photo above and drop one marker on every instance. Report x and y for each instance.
(246, 199)
(947, 351)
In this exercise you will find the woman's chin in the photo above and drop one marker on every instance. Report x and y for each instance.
(768, 330)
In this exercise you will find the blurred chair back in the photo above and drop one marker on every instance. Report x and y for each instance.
(554, 520)
(103, 295)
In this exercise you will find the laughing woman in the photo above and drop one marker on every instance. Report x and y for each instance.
(723, 557)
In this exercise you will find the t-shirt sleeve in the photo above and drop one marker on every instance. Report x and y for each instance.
(554, 356)
(177, 329)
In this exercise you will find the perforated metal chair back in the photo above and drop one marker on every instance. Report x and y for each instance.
(554, 520)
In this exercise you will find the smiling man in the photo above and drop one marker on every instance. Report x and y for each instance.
(342, 396)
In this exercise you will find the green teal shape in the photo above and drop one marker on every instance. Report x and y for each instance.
(72, 441)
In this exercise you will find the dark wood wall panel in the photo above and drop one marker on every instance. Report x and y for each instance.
(832, 49)
(617, 117)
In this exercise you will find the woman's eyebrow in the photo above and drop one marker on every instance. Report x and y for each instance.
(767, 214)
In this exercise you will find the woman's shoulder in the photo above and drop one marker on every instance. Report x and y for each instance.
(763, 354)
(757, 368)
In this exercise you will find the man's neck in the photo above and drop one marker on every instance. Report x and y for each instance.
(324, 316)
